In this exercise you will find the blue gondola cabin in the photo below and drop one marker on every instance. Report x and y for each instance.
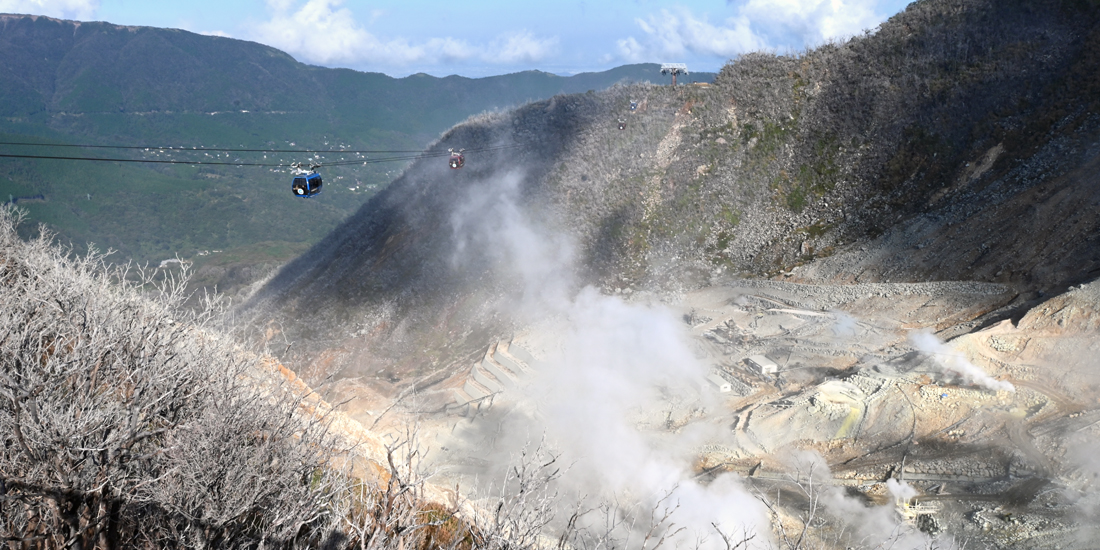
(306, 185)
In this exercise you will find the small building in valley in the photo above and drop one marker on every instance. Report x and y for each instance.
(719, 383)
(761, 364)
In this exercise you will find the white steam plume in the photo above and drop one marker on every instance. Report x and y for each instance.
(615, 364)
(900, 490)
(871, 526)
(608, 367)
(950, 361)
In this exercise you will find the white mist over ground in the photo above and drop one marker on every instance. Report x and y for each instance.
(845, 325)
(607, 364)
(621, 397)
(614, 364)
(863, 526)
(951, 362)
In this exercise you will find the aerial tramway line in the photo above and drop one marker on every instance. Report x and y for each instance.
(306, 181)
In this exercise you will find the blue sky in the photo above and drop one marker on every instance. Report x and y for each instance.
(488, 37)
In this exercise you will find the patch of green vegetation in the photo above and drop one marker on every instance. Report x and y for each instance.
(798, 87)
(748, 131)
(796, 199)
(812, 180)
(731, 217)
(724, 239)
(713, 150)
(773, 135)
(817, 229)
(921, 151)
(636, 239)
(821, 175)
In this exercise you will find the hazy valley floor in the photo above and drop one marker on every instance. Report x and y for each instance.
(985, 438)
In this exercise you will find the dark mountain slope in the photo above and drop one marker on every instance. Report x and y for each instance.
(955, 111)
(397, 261)
(1039, 239)
(73, 67)
(1019, 205)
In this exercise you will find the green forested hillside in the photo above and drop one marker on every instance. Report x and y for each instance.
(66, 82)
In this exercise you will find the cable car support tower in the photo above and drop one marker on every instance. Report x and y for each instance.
(674, 69)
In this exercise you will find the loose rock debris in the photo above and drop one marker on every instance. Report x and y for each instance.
(848, 384)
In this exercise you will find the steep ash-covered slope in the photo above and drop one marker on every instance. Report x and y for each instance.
(886, 155)
(405, 262)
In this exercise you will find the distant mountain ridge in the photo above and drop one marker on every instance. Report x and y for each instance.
(94, 82)
(53, 65)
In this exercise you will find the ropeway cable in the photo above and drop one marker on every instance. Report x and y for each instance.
(419, 156)
(229, 150)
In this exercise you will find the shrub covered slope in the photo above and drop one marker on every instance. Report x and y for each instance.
(126, 424)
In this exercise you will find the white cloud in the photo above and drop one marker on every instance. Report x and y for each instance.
(673, 33)
(800, 23)
(753, 25)
(64, 9)
(320, 31)
(520, 47)
(323, 32)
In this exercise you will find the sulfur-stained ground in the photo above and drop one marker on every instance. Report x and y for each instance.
(1007, 465)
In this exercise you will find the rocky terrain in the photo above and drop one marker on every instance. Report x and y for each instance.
(991, 432)
(903, 226)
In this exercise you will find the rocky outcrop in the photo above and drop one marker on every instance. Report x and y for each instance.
(1075, 311)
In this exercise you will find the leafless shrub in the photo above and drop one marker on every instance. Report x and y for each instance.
(126, 423)
(397, 512)
(808, 487)
(526, 501)
(129, 422)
